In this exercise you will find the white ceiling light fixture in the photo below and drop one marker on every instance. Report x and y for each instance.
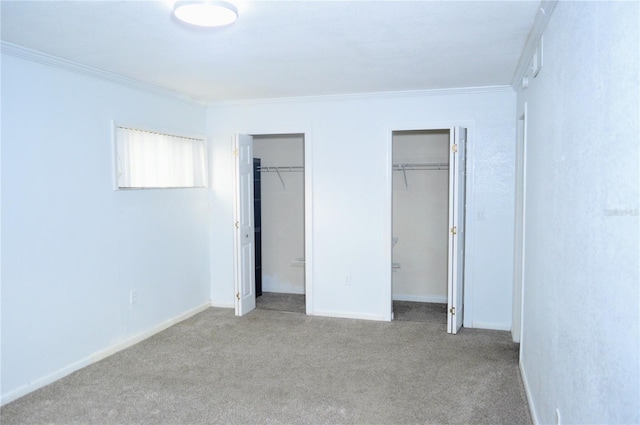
(206, 13)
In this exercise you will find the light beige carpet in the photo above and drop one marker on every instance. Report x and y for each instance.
(270, 367)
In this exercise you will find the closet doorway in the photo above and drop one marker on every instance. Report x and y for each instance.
(428, 203)
(270, 274)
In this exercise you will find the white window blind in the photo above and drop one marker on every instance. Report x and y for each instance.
(154, 160)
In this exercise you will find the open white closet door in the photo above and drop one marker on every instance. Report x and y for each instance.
(245, 297)
(455, 274)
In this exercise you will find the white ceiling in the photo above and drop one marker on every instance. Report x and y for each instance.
(284, 48)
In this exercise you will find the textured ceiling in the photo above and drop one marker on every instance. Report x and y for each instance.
(284, 48)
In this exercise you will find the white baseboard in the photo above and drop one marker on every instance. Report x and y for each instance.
(421, 299)
(282, 289)
(527, 391)
(97, 356)
(347, 315)
(223, 305)
(492, 326)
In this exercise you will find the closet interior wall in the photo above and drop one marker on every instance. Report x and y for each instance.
(282, 201)
(420, 214)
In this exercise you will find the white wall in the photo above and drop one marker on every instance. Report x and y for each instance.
(282, 213)
(580, 341)
(420, 217)
(72, 247)
(349, 142)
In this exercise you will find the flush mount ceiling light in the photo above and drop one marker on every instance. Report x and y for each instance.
(205, 13)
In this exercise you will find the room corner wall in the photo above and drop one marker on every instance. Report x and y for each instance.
(580, 351)
(73, 248)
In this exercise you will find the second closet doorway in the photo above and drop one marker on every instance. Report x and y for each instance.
(428, 209)
(279, 219)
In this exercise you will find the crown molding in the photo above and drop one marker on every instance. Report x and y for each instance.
(537, 29)
(54, 61)
(365, 96)
(67, 65)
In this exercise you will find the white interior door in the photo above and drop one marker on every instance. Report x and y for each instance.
(457, 177)
(245, 297)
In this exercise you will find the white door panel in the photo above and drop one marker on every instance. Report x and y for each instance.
(244, 229)
(457, 178)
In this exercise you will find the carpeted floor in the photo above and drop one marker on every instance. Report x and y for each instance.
(292, 303)
(406, 311)
(409, 311)
(270, 367)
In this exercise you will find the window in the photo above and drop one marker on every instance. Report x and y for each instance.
(153, 160)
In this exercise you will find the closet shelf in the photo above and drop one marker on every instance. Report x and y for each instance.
(426, 166)
(281, 169)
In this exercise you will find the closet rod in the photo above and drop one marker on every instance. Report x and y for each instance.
(421, 166)
(281, 169)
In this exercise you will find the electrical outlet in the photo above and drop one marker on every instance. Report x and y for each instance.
(133, 296)
(347, 280)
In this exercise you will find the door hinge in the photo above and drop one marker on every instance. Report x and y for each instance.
(237, 224)
(452, 310)
(238, 295)
(454, 148)
(454, 230)
(235, 152)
